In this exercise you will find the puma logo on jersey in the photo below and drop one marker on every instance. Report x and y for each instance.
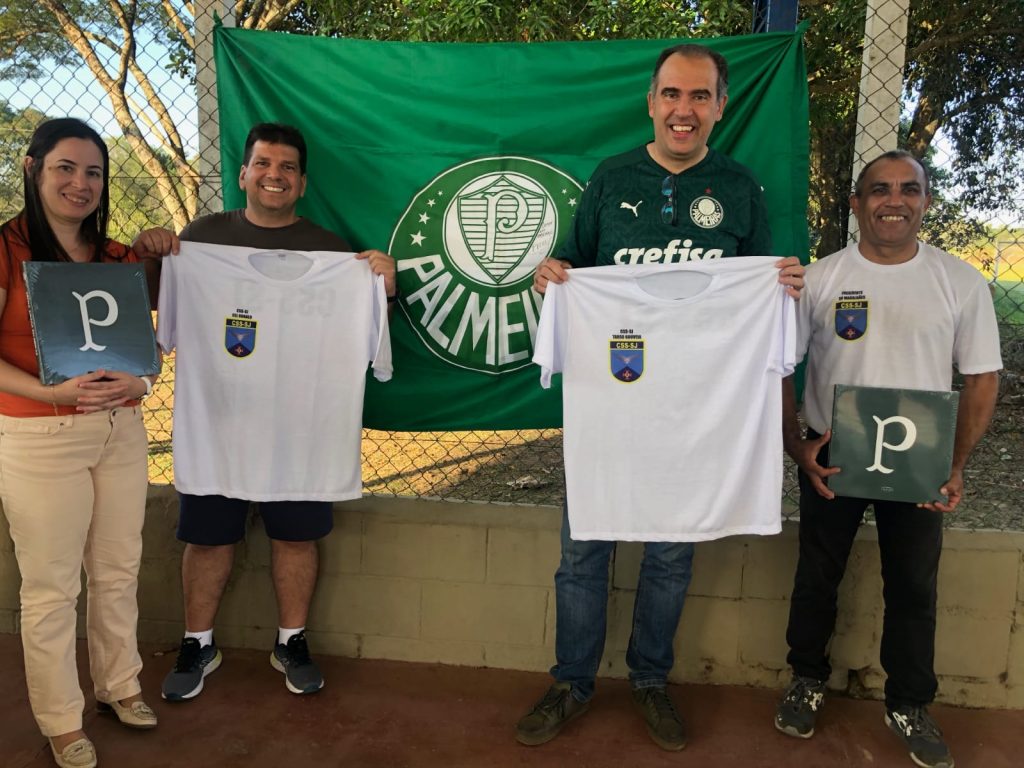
(675, 251)
(631, 207)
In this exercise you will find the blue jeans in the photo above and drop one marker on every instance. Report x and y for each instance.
(581, 599)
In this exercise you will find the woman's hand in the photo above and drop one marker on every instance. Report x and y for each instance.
(98, 391)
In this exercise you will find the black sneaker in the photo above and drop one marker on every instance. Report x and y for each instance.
(301, 674)
(545, 720)
(194, 663)
(921, 735)
(799, 708)
(663, 722)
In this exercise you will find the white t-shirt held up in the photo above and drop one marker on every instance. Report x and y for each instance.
(672, 397)
(272, 352)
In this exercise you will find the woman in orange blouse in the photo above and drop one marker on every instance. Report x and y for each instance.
(73, 474)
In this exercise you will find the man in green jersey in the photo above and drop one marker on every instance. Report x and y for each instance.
(672, 200)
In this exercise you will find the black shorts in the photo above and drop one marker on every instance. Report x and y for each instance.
(216, 520)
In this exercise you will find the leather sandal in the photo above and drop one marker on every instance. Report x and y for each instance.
(78, 754)
(138, 714)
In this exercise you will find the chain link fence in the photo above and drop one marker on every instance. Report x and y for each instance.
(134, 71)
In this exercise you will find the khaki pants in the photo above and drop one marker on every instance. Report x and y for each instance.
(74, 492)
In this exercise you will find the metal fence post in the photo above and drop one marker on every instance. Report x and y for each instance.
(881, 83)
(210, 199)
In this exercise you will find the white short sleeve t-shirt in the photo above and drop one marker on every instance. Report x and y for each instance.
(272, 352)
(672, 397)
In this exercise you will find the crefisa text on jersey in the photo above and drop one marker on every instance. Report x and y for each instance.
(670, 254)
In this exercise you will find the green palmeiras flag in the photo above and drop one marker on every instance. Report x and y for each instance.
(465, 162)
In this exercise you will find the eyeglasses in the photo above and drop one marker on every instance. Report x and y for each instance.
(668, 210)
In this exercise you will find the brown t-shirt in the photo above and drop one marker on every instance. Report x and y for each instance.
(232, 228)
(16, 344)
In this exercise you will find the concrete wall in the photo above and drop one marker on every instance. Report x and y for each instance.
(471, 584)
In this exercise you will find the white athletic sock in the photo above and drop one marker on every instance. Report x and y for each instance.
(204, 638)
(284, 635)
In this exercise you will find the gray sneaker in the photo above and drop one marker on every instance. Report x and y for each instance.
(301, 674)
(663, 721)
(798, 710)
(542, 723)
(194, 663)
(921, 735)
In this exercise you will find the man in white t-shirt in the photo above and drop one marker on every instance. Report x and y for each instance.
(889, 311)
(273, 176)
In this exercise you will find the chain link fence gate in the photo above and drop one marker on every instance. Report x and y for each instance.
(133, 70)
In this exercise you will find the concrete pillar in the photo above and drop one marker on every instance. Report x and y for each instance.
(210, 198)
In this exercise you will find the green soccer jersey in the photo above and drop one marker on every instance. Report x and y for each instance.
(717, 210)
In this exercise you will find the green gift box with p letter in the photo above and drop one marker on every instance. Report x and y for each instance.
(893, 444)
(87, 317)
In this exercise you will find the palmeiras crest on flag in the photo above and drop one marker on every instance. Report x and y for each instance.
(499, 224)
(627, 359)
(851, 319)
(466, 249)
(239, 336)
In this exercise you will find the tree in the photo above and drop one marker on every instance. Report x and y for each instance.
(948, 224)
(135, 200)
(105, 36)
(833, 72)
(15, 131)
(964, 66)
(963, 69)
(525, 21)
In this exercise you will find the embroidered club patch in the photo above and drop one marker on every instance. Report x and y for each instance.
(239, 336)
(851, 319)
(627, 359)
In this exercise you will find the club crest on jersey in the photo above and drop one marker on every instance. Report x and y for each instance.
(465, 250)
(706, 212)
(239, 335)
(851, 318)
(626, 356)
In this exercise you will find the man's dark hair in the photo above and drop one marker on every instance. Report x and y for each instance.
(276, 133)
(696, 51)
(41, 239)
(893, 154)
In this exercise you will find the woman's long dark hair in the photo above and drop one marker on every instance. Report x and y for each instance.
(41, 239)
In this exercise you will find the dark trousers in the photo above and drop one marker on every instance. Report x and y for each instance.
(910, 542)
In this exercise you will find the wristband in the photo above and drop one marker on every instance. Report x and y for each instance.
(392, 299)
(149, 387)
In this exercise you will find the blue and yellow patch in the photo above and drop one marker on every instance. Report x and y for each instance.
(851, 319)
(627, 359)
(239, 336)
